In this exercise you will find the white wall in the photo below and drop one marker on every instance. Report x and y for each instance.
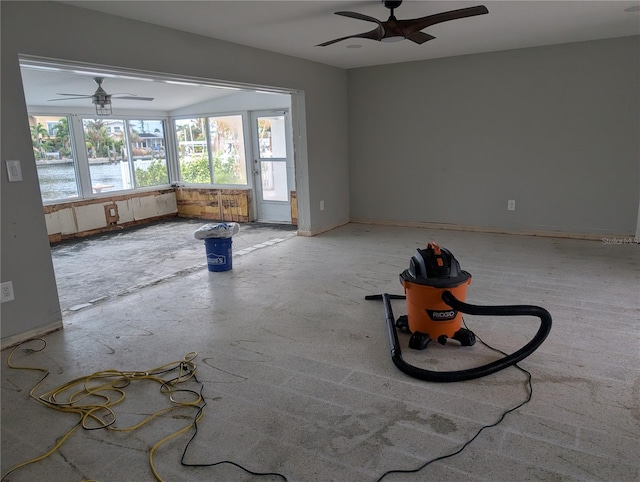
(239, 101)
(27, 29)
(91, 111)
(451, 140)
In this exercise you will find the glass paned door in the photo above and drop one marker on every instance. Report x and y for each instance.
(273, 166)
(274, 181)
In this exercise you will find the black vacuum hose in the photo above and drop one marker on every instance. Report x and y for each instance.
(471, 373)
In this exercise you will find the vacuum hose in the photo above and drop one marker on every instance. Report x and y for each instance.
(471, 373)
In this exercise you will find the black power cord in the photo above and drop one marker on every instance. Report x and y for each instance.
(477, 434)
(221, 462)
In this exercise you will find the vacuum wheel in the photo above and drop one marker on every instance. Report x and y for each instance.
(402, 323)
(419, 341)
(465, 337)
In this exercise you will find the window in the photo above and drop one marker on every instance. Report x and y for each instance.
(51, 127)
(108, 157)
(146, 138)
(193, 155)
(55, 162)
(118, 162)
(271, 135)
(211, 150)
(227, 150)
(124, 154)
(117, 154)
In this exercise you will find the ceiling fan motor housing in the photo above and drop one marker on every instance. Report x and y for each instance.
(392, 4)
(100, 97)
(432, 271)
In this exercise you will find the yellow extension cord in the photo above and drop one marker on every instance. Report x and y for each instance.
(108, 386)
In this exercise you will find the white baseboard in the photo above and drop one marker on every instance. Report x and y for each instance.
(322, 230)
(31, 334)
(495, 230)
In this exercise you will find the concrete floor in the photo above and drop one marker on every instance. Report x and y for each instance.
(90, 270)
(298, 379)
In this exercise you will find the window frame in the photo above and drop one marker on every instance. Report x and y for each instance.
(72, 142)
(176, 149)
(247, 146)
(78, 149)
(80, 156)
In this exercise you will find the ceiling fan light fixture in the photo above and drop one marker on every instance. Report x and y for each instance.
(104, 110)
(103, 106)
(392, 40)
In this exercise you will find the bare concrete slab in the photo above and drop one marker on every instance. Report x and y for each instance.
(93, 269)
(295, 368)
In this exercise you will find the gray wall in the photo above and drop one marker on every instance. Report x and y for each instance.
(64, 32)
(451, 140)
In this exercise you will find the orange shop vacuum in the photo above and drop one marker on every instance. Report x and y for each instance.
(435, 289)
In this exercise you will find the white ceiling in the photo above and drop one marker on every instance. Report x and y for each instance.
(296, 27)
(45, 82)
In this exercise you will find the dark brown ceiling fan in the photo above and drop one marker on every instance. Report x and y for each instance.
(406, 29)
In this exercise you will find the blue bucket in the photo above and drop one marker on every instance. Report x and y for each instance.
(218, 254)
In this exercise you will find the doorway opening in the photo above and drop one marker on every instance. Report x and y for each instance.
(194, 136)
(185, 132)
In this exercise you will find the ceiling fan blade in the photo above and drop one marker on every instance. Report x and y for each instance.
(417, 24)
(419, 37)
(75, 95)
(324, 44)
(375, 34)
(359, 16)
(130, 97)
(72, 98)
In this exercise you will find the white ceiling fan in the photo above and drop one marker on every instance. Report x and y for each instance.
(100, 98)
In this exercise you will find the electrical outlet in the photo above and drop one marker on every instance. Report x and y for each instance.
(322, 205)
(7, 291)
(511, 205)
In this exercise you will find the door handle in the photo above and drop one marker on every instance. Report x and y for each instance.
(256, 171)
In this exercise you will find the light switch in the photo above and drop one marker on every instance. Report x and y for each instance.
(14, 171)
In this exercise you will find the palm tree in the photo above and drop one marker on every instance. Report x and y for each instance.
(96, 133)
(198, 129)
(62, 137)
(38, 133)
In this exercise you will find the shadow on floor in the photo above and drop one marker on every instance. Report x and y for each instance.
(99, 267)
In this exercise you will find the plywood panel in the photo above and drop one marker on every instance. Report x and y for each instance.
(215, 204)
